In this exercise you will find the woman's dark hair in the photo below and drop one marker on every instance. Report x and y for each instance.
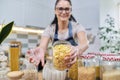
(55, 20)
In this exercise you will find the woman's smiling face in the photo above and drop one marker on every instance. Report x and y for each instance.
(63, 10)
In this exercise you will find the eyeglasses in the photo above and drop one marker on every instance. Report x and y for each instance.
(61, 9)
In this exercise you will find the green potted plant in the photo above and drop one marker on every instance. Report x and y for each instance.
(110, 36)
(5, 31)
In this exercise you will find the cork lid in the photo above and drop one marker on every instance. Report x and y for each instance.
(14, 75)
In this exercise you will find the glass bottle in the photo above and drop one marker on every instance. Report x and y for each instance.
(86, 68)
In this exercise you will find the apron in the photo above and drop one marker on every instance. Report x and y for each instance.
(73, 71)
(69, 39)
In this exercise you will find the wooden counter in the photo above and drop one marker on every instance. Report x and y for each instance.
(39, 75)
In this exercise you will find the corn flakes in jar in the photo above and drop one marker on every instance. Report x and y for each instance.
(61, 49)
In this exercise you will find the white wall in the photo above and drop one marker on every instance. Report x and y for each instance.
(41, 12)
(109, 7)
(26, 12)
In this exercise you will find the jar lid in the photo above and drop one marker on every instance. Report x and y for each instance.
(1, 52)
(88, 56)
(94, 53)
(107, 54)
(61, 42)
(111, 58)
(15, 74)
(49, 57)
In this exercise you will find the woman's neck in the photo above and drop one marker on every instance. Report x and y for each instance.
(63, 25)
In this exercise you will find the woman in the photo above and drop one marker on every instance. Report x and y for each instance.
(63, 27)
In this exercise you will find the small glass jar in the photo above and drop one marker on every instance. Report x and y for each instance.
(86, 68)
(109, 70)
(30, 70)
(49, 73)
(61, 49)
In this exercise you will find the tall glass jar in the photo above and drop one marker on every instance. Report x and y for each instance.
(97, 65)
(49, 73)
(14, 57)
(86, 69)
(109, 69)
(61, 49)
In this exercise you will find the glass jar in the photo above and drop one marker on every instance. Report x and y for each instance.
(49, 73)
(118, 62)
(14, 57)
(97, 65)
(30, 70)
(86, 68)
(108, 68)
(73, 71)
(61, 49)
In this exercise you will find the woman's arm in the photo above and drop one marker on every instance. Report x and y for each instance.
(76, 51)
(37, 54)
(83, 42)
(44, 43)
(43, 47)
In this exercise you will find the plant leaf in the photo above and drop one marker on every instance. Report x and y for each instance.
(5, 31)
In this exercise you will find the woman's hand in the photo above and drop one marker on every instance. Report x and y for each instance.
(72, 58)
(36, 55)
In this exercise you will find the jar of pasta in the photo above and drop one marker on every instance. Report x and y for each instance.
(97, 65)
(61, 49)
(109, 70)
(86, 68)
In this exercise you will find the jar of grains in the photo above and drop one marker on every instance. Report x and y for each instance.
(86, 67)
(61, 49)
(109, 68)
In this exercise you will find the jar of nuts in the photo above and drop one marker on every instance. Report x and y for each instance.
(86, 68)
(61, 49)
